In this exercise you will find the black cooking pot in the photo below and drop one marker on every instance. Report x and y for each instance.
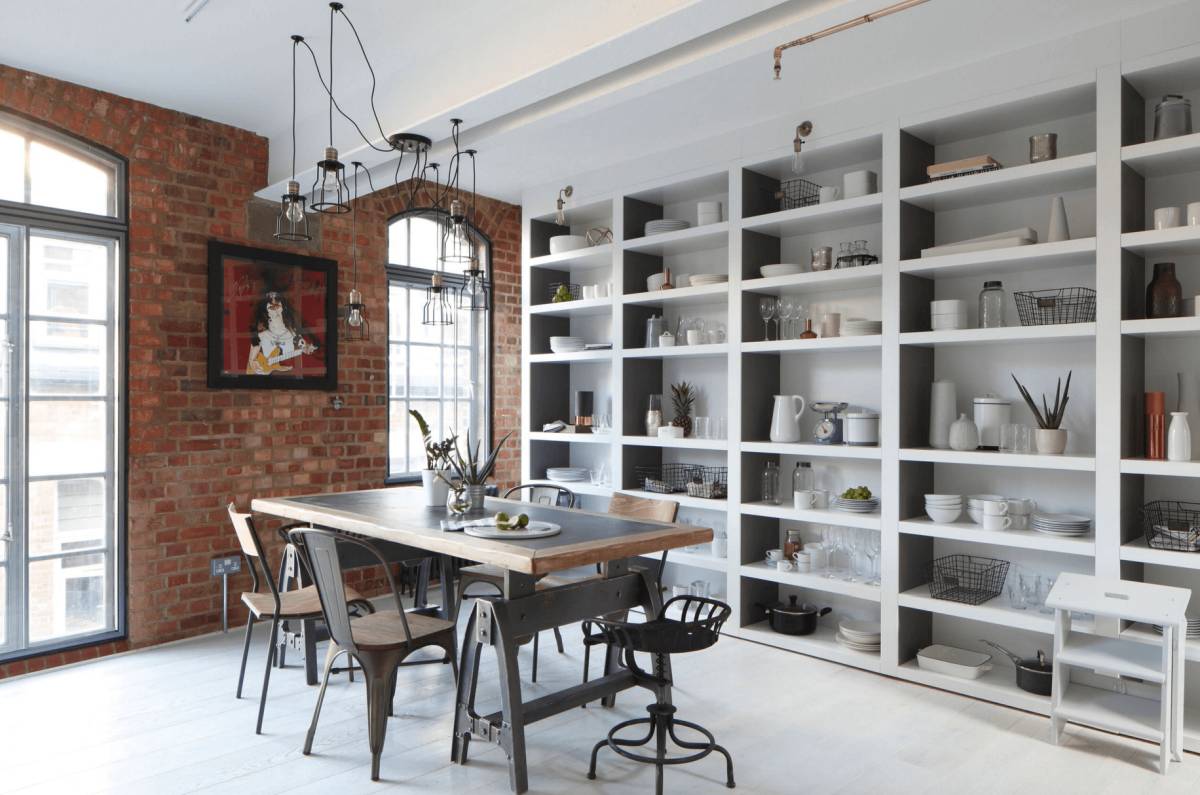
(1034, 674)
(794, 618)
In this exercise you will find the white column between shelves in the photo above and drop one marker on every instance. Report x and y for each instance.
(889, 382)
(733, 402)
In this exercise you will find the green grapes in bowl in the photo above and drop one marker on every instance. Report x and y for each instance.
(857, 493)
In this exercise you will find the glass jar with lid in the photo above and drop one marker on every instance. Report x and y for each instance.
(802, 477)
(770, 483)
(794, 543)
(991, 305)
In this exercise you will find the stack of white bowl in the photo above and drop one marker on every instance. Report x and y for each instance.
(943, 508)
(950, 313)
(708, 213)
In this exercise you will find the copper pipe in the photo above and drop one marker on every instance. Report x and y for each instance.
(895, 8)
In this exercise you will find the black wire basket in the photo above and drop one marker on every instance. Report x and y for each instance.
(574, 289)
(695, 480)
(797, 192)
(1172, 525)
(855, 261)
(1060, 305)
(968, 579)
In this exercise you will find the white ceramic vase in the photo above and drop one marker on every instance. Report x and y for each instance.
(963, 434)
(435, 489)
(1058, 230)
(1179, 437)
(943, 404)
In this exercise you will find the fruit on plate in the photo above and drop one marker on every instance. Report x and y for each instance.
(506, 522)
(857, 493)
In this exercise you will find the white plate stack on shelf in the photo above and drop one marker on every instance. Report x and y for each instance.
(708, 212)
(567, 474)
(567, 344)
(947, 314)
(859, 635)
(1061, 524)
(665, 225)
(1193, 628)
(702, 279)
(780, 269)
(861, 327)
(870, 505)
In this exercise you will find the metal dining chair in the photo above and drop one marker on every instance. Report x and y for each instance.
(379, 642)
(298, 604)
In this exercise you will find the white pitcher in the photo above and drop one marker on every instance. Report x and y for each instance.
(785, 426)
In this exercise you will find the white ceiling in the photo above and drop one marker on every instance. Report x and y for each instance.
(548, 87)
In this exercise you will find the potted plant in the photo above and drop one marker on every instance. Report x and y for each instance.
(1050, 437)
(471, 471)
(436, 461)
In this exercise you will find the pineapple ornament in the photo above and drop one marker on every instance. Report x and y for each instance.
(683, 397)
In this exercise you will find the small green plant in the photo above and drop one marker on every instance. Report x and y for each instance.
(1049, 418)
(470, 469)
(437, 454)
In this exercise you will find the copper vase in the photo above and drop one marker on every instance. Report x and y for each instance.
(1156, 425)
(1164, 294)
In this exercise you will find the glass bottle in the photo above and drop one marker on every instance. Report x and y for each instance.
(991, 305)
(1164, 294)
(802, 477)
(794, 543)
(654, 416)
(808, 333)
(770, 483)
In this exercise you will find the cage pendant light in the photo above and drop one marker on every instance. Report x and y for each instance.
(329, 192)
(475, 293)
(438, 309)
(355, 327)
(292, 222)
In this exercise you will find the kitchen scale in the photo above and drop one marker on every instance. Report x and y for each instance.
(829, 429)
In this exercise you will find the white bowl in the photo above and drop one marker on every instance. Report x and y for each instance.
(561, 243)
(942, 515)
(943, 498)
(655, 281)
(770, 271)
(976, 514)
(979, 499)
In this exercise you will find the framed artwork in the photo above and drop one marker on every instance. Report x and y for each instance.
(272, 319)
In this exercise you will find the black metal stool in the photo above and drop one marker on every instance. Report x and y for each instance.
(698, 627)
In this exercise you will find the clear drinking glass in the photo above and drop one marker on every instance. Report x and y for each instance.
(788, 313)
(720, 431)
(701, 428)
(1008, 437)
(766, 310)
(1023, 441)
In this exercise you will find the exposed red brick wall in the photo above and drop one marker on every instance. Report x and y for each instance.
(193, 449)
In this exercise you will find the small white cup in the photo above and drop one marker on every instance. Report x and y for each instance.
(784, 565)
(666, 340)
(1166, 217)
(804, 500)
(695, 336)
(829, 193)
(774, 555)
(802, 558)
(995, 508)
(995, 522)
(1018, 522)
(1193, 214)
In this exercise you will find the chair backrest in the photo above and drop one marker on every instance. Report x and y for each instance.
(252, 550)
(543, 494)
(633, 507)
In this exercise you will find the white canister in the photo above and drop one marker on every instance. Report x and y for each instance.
(991, 412)
(859, 183)
(861, 428)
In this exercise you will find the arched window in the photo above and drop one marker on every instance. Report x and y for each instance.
(62, 293)
(442, 371)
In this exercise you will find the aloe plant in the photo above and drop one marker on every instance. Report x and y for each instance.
(470, 469)
(1048, 417)
(437, 454)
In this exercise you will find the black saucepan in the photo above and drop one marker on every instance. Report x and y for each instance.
(1034, 674)
(795, 617)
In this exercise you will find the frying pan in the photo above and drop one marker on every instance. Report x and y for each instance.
(1034, 674)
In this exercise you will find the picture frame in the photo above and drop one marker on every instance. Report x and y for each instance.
(272, 319)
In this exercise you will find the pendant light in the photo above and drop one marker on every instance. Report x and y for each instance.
(329, 192)
(355, 327)
(438, 310)
(292, 221)
(475, 293)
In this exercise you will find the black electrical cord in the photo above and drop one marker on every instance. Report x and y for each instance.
(370, 69)
(334, 102)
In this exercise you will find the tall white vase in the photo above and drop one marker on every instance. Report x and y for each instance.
(943, 408)
(1058, 221)
(1179, 438)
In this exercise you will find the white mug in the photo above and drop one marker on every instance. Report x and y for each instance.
(802, 558)
(996, 522)
(804, 500)
(1020, 522)
(829, 193)
(784, 565)
(995, 508)
(1193, 214)
(1166, 217)
(859, 183)
(695, 336)
(1021, 506)
(774, 555)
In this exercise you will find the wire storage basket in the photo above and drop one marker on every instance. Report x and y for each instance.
(694, 480)
(575, 291)
(1060, 305)
(968, 579)
(797, 192)
(1172, 525)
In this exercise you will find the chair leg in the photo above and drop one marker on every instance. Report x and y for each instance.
(558, 641)
(379, 671)
(330, 656)
(245, 652)
(533, 677)
(262, 700)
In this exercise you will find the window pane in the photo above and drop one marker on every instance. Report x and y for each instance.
(67, 358)
(66, 515)
(67, 596)
(12, 167)
(397, 313)
(424, 371)
(425, 243)
(398, 242)
(397, 368)
(5, 359)
(68, 277)
(398, 430)
(418, 331)
(3, 604)
(67, 436)
(60, 179)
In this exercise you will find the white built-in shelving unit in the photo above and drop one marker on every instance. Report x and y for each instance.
(1111, 178)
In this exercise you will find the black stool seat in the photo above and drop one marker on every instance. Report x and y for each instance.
(697, 628)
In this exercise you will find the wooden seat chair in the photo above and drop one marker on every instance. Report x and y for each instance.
(379, 642)
(493, 576)
(286, 605)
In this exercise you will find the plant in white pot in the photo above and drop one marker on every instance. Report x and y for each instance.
(437, 455)
(1050, 437)
(471, 471)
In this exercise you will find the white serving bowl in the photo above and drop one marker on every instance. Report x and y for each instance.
(942, 515)
(655, 281)
(976, 514)
(783, 269)
(943, 498)
(561, 243)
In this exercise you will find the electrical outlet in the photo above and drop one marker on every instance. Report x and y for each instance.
(228, 565)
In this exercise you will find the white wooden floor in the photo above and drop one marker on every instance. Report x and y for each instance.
(165, 720)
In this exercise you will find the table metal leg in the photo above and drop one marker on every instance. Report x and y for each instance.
(465, 719)
(512, 708)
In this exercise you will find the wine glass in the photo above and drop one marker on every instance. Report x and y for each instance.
(788, 313)
(854, 547)
(766, 309)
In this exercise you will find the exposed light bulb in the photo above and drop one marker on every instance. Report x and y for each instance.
(294, 212)
(803, 130)
(797, 162)
(355, 318)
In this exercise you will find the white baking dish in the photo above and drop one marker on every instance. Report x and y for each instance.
(951, 661)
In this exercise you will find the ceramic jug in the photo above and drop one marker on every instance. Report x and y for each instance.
(964, 435)
(785, 419)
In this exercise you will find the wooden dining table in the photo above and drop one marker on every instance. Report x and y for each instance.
(611, 543)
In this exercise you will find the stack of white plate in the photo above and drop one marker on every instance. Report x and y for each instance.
(780, 269)
(708, 212)
(665, 225)
(567, 474)
(701, 279)
(856, 506)
(943, 508)
(1061, 524)
(859, 635)
(1193, 628)
(860, 327)
(567, 344)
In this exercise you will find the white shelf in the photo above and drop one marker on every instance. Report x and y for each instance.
(1016, 259)
(681, 444)
(574, 356)
(1162, 328)
(685, 241)
(582, 306)
(1163, 158)
(868, 276)
(1174, 469)
(1114, 712)
(865, 521)
(996, 685)
(867, 342)
(819, 644)
(1110, 656)
(841, 214)
(684, 500)
(814, 582)
(1075, 463)
(677, 351)
(1017, 182)
(1139, 551)
(807, 450)
(683, 296)
(698, 560)
(1020, 539)
(578, 487)
(988, 336)
(1179, 240)
(576, 438)
(580, 259)
(1144, 633)
(994, 611)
